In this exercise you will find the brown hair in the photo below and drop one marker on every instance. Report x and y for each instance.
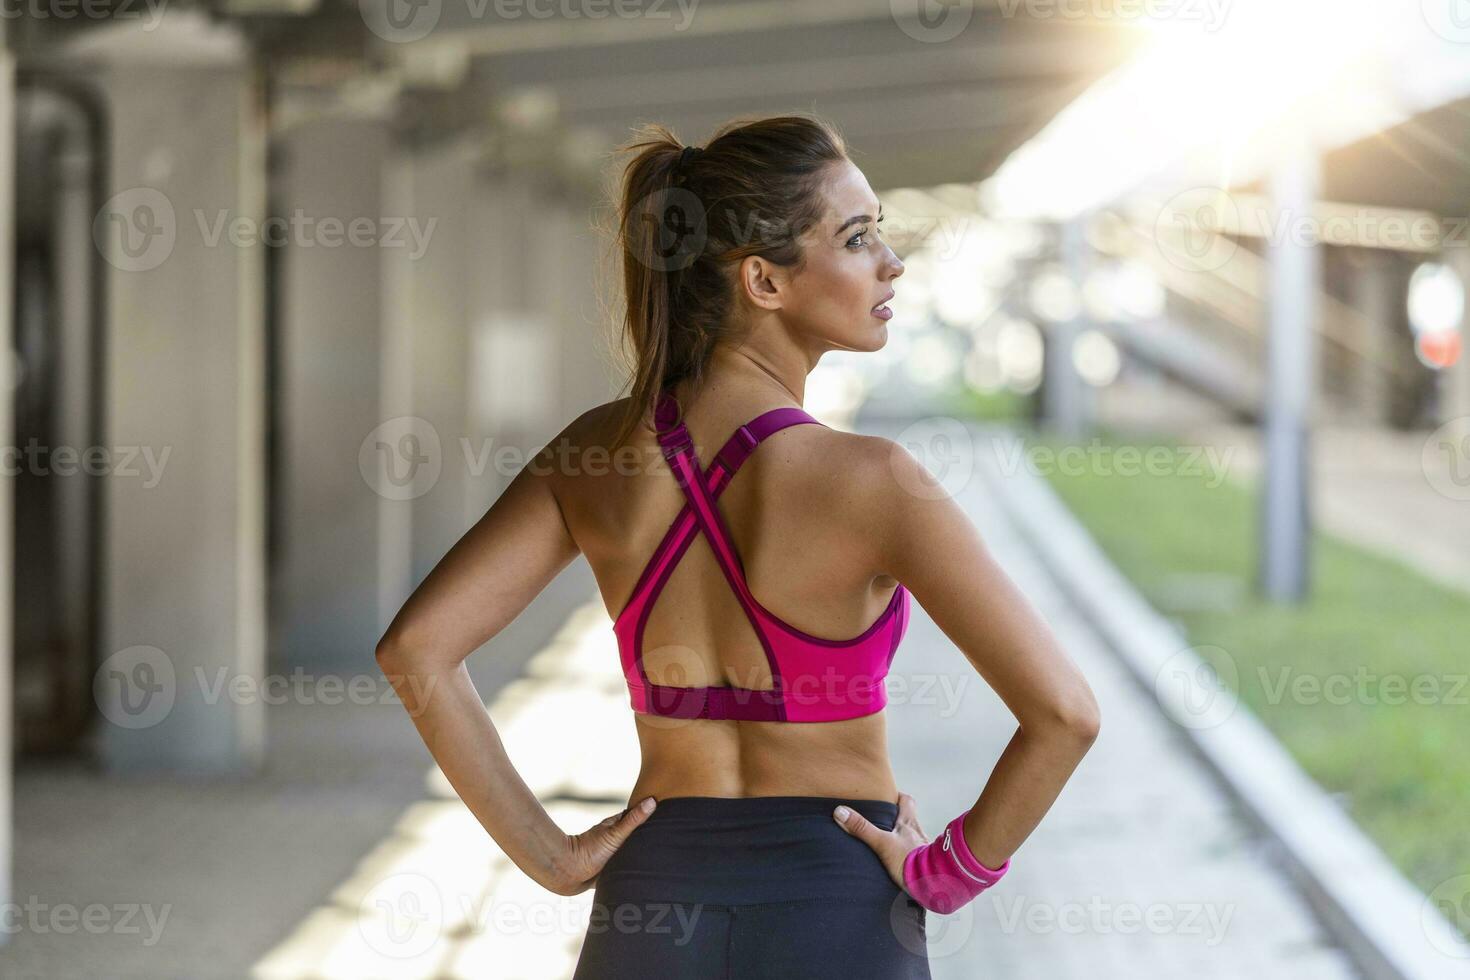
(685, 222)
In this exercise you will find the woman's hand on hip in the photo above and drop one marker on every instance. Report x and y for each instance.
(577, 867)
(891, 846)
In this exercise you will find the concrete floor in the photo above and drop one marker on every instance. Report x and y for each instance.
(226, 868)
(1142, 869)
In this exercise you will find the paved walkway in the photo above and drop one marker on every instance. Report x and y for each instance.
(135, 877)
(1142, 869)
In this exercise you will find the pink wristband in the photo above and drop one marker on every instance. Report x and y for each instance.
(944, 874)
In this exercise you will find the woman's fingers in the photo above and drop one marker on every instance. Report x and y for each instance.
(616, 828)
(860, 827)
(884, 843)
(597, 845)
(908, 814)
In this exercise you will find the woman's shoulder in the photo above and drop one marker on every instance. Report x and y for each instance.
(593, 426)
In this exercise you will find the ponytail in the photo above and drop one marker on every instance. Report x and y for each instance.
(687, 216)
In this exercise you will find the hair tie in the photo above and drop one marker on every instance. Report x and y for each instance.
(685, 154)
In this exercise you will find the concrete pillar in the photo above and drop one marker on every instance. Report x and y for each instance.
(182, 549)
(408, 457)
(330, 301)
(589, 374)
(1295, 274)
(440, 280)
(7, 433)
(1455, 379)
(506, 347)
(516, 386)
(1376, 296)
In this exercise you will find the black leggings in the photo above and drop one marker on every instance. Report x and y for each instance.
(716, 888)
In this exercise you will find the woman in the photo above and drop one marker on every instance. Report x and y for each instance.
(756, 629)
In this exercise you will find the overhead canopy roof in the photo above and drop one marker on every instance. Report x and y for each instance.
(917, 109)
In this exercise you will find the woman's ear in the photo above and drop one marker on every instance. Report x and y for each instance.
(762, 282)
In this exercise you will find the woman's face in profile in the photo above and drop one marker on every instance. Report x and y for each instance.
(849, 270)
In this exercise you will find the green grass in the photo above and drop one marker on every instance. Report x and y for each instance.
(1403, 769)
(965, 401)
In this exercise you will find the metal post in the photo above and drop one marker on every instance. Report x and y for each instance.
(1295, 283)
(1066, 394)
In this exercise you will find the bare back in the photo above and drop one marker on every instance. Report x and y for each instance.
(796, 513)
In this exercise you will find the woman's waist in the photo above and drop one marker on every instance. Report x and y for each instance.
(700, 757)
(750, 850)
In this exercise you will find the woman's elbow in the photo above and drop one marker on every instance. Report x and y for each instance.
(1076, 719)
(396, 652)
(1082, 718)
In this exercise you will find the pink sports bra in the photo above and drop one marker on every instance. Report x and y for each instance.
(813, 679)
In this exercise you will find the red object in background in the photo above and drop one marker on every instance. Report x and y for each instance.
(1439, 349)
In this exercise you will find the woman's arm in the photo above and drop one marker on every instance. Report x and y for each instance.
(484, 581)
(924, 539)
